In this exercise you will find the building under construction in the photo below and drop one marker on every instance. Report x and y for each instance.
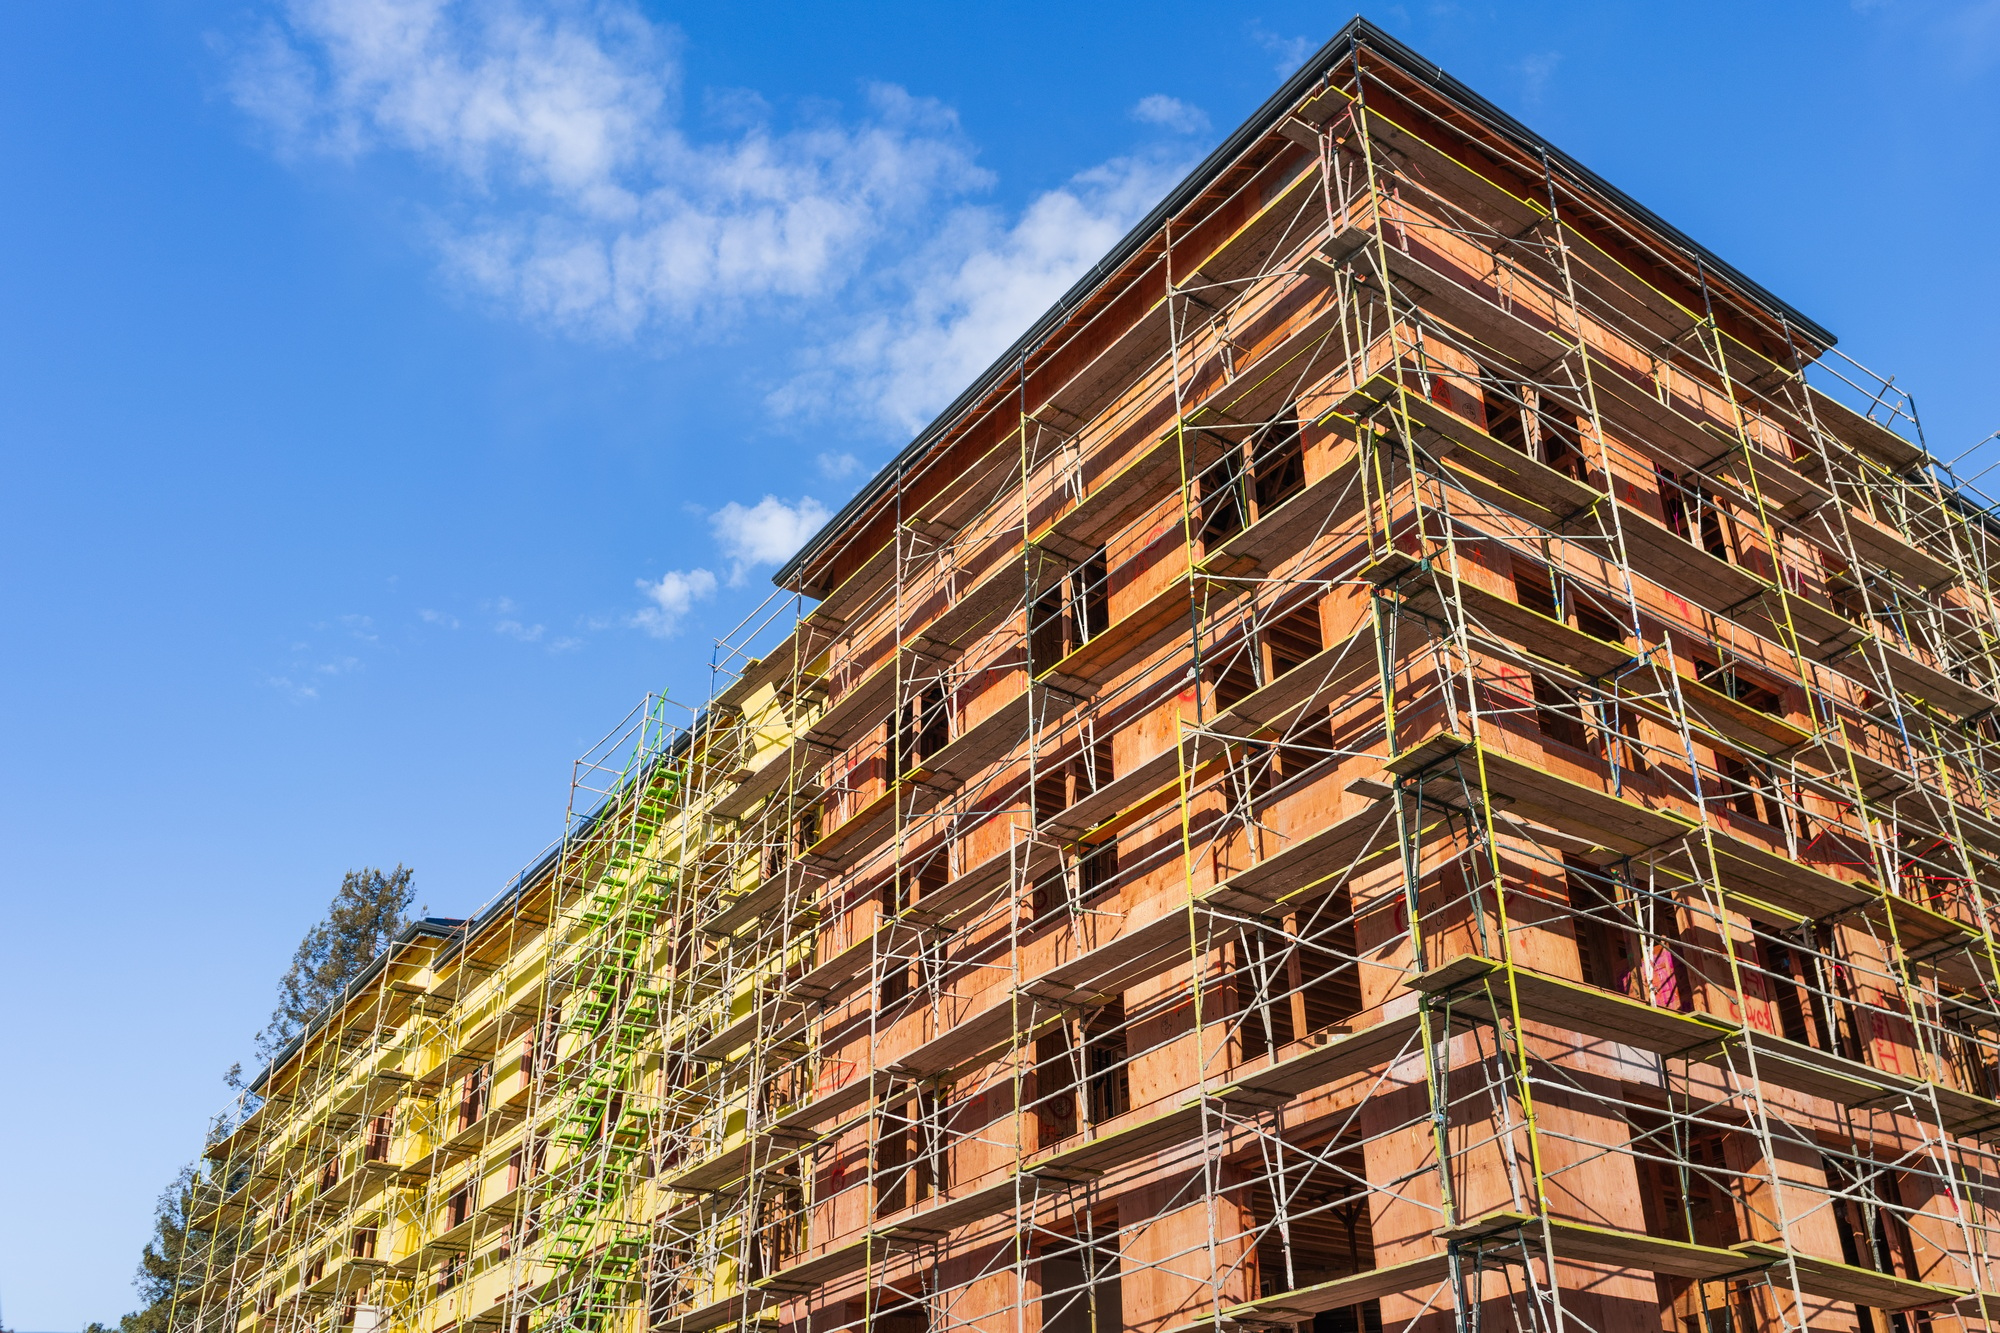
(1420, 753)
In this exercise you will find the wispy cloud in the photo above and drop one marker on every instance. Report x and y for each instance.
(514, 629)
(672, 597)
(566, 186)
(302, 682)
(765, 533)
(1170, 113)
(439, 618)
(1536, 71)
(970, 293)
(1287, 53)
(563, 184)
(838, 467)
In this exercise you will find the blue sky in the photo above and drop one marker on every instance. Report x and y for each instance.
(392, 392)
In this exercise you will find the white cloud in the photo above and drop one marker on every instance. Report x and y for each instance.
(1290, 52)
(1170, 113)
(572, 193)
(514, 629)
(1536, 71)
(765, 533)
(672, 597)
(440, 618)
(297, 692)
(970, 294)
(838, 467)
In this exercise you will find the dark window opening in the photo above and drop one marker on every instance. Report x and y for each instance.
(1047, 631)
(1746, 790)
(329, 1175)
(1534, 590)
(1264, 985)
(1556, 713)
(1234, 674)
(1562, 443)
(1090, 598)
(925, 727)
(472, 1095)
(1105, 1059)
(1293, 640)
(1081, 1290)
(1363, 1318)
(1834, 1005)
(458, 1205)
(1695, 1200)
(779, 1234)
(1714, 539)
(1096, 868)
(1219, 491)
(1093, 768)
(1280, 465)
(1323, 972)
(1504, 420)
(1732, 682)
(1330, 1233)
(891, 1312)
(1782, 976)
(1607, 945)
(805, 830)
(1055, 1087)
(892, 1160)
(1598, 625)
(1673, 504)
(362, 1244)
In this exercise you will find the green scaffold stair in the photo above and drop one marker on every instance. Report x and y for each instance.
(609, 1016)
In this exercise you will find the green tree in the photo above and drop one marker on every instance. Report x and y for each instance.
(163, 1267)
(367, 911)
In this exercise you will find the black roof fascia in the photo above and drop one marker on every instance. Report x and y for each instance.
(437, 927)
(1358, 32)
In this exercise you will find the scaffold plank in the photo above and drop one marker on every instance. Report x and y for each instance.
(1835, 1281)
(1328, 676)
(1864, 434)
(1097, 808)
(1508, 1235)
(1474, 982)
(1341, 1056)
(1326, 503)
(1517, 482)
(1141, 630)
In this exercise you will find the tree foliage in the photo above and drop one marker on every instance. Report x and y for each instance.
(367, 911)
(163, 1271)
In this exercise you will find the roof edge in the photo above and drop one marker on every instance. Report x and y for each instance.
(1357, 30)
